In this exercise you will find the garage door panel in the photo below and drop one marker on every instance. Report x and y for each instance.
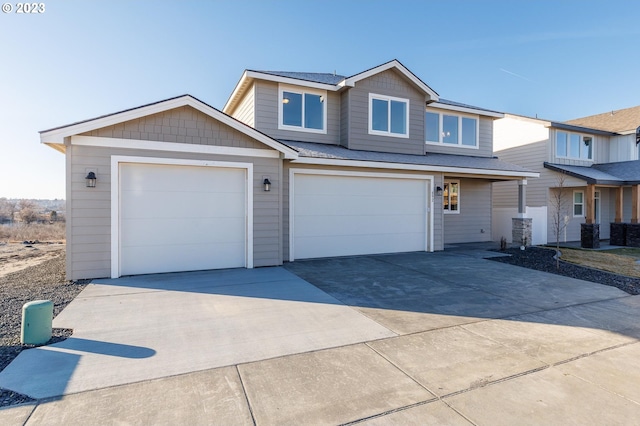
(181, 218)
(349, 215)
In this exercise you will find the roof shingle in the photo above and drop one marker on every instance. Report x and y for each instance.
(620, 121)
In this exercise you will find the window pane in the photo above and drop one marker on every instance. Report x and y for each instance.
(292, 109)
(399, 117)
(468, 131)
(313, 112)
(432, 122)
(577, 197)
(561, 144)
(577, 210)
(574, 146)
(453, 203)
(450, 129)
(379, 115)
(445, 196)
(587, 147)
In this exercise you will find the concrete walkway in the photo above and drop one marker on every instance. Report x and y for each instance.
(414, 338)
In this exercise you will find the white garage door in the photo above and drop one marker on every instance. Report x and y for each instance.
(181, 218)
(351, 215)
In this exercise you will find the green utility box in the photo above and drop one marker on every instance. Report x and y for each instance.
(37, 319)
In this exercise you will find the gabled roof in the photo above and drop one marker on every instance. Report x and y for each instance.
(323, 81)
(55, 137)
(620, 173)
(458, 106)
(447, 163)
(621, 121)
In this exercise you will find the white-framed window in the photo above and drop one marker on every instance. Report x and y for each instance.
(574, 145)
(388, 116)
(451, 129)
(302, 109)
(451, 197)
(578, 203)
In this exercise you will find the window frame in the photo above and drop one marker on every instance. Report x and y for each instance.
(301, 91)
(574, 204)
(448, 194)
(582, 137)
(460, 117)
(388, 99)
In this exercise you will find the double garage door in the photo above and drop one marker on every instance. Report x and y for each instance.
(339, 215)
(181, 218)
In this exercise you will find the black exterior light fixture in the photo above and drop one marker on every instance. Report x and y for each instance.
(638, 135)
(438, 191)
(267, 184)
(91, 180)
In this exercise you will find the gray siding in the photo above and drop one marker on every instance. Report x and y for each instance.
(180, 125)
(89, 209)
(245, 111)
(475, 213)
(485, 141)
(389, 83)
(266, 120)
(437, 214)
(344, 118)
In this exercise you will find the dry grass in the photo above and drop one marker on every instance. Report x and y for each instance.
(619, 261)
(54, 232)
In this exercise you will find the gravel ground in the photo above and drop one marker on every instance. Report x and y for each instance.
(542, 259)
(43, 281)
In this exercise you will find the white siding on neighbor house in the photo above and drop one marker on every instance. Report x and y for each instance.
(89, 209)
(266, 119)
(485, 139)
(473, 223)
(245, 111)
(623, 148)
(387, 83)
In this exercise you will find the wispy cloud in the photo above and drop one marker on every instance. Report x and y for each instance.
(516, 75)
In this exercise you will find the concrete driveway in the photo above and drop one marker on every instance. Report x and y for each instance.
(412, 338)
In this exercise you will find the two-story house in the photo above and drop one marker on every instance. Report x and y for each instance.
(592, 161)
(295, 166)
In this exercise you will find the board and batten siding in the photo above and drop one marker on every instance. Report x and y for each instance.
(344, 118)
(89, 209)
(266, 116)
(473, 223)
(485, 139)
(438, 243)
(245, 111)
(388, 83)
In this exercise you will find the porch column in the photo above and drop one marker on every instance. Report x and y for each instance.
(590, 230)
(521, 227)
(633, 228)
(618, 229)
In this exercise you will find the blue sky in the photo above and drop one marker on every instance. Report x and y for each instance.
(81, 59)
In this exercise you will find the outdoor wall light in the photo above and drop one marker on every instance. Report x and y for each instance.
(91, 180)
(438, 191)
(267, 184)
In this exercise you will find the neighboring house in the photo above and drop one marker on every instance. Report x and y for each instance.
(598, 157)
(297, 165)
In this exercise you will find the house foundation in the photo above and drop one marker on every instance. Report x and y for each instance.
(590, 235)
(521, 230)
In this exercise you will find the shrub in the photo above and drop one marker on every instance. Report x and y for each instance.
(34, 231)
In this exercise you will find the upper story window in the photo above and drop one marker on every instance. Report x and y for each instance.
(302, 110)
(388, 116)
(451, 129)
(574, 145)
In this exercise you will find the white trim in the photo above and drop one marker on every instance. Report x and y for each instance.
(116, 160)
(467, 110)
(429, 238)
(57, 136)
(388, 99)
(581, 143)
(351, 81)
(450, 181)
(416, 167)
(441, 127)
(574, 204)
(292, 89)
(171, 147)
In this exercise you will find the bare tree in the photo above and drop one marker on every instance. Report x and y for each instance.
(28, 211)
(559, 210)
(7, 209)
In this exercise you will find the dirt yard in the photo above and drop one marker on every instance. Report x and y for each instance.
(15, 257)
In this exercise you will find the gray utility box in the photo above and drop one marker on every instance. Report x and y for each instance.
(37, 319)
